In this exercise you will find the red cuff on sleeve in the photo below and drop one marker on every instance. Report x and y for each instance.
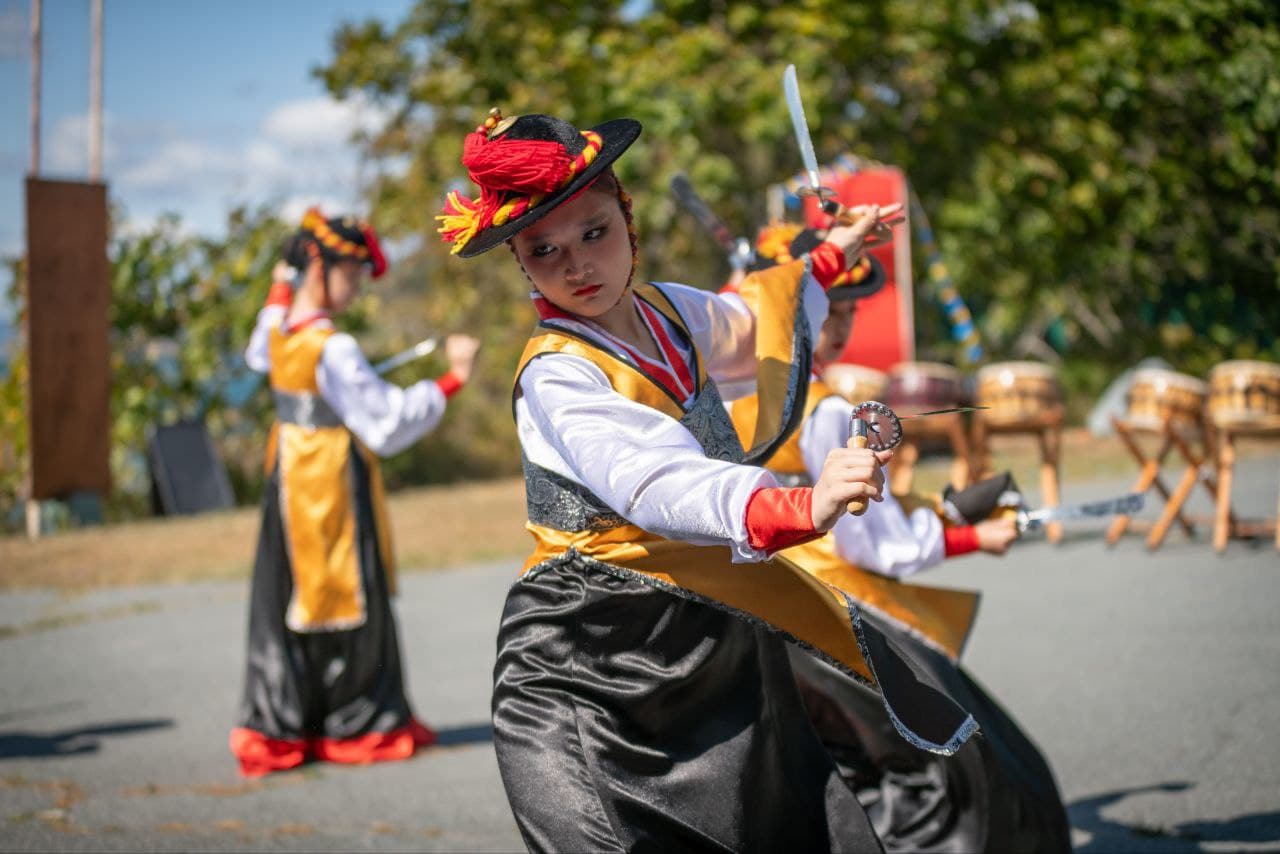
(281, 294)
(778, 517)
(960, 540)
(449, 384)
(828, 263)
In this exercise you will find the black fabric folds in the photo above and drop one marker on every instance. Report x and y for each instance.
(339, 684)
(628, 718)
(995, 794)
(979, 501)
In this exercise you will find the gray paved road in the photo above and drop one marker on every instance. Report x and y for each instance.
(1151, 683)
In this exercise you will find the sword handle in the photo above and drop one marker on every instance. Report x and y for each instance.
(858, 506)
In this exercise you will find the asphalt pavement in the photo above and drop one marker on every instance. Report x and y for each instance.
(1150, 681)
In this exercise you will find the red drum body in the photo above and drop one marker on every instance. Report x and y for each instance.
(916, 387)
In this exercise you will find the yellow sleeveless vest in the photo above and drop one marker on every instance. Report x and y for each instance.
(317, 502)
(940, 616)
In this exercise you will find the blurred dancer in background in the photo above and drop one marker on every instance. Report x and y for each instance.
(323, 678)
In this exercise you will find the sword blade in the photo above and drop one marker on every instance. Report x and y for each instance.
(791, 89)
(404, 357)
(942, 412)
(694, 204)
(1124, 505)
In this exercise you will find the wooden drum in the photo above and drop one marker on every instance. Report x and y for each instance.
(1157, 394)
(923, 386)
(1017, 391)
(856, 383)
(1245, 392)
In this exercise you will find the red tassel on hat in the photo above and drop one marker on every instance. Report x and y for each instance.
(523, 166)
(376, 258)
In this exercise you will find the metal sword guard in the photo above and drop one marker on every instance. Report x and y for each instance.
(880, 424)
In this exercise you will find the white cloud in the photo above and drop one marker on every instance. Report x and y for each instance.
(316, 122)
(301, 155)
(66, 146)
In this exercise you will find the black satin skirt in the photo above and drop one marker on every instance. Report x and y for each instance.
(995, 794)
(629, 718)
(336, 685)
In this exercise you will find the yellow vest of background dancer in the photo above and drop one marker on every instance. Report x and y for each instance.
(312, 451)
(941, 617)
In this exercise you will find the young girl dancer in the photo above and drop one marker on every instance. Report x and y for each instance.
(642, 694)
(323, 677)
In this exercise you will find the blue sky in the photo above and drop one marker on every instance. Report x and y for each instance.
(206, 105)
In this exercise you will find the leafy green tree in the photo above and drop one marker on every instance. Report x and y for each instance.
(1103, 177)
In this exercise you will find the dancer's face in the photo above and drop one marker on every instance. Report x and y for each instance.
(345, 280)
(835, 331)
(579, 256)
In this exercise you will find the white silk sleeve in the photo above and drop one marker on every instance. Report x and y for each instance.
(724, 331)
(642, 464)
(884, 539)
(256, 354)
(385, 417)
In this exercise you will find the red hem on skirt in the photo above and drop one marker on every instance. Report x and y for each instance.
(375, 746)
(260, 755)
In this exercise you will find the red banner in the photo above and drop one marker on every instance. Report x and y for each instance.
(884, 326)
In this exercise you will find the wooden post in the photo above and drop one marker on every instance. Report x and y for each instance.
(902, 471)
(35, 87)
(95, 92)
(1050, 442)
(1226, 462)
(1173, 508)
(33, 506)
(960, 474)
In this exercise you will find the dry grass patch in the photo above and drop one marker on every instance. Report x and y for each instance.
(432, 527)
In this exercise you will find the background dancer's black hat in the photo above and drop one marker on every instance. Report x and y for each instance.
(526, 167)
(781, 242)
(336, 239)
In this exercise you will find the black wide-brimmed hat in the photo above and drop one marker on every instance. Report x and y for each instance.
(864, 278)
(781, 242)
(337, 239)
(526, 167)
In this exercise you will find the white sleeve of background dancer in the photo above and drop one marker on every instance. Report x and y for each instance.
(724, 331)
(884, 539)
(642, 464)
(385, 417)
(257, 354)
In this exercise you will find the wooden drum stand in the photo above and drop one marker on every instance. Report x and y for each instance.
(1170, 407)
(1244, 403)
(1021, 398)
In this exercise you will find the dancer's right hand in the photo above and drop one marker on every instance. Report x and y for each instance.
(848, 473)
(995, 535)
(460, 352)
(864, 220)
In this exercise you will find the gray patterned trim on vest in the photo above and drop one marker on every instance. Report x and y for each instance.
(711, 425)
(304, 409)
(556, 502)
